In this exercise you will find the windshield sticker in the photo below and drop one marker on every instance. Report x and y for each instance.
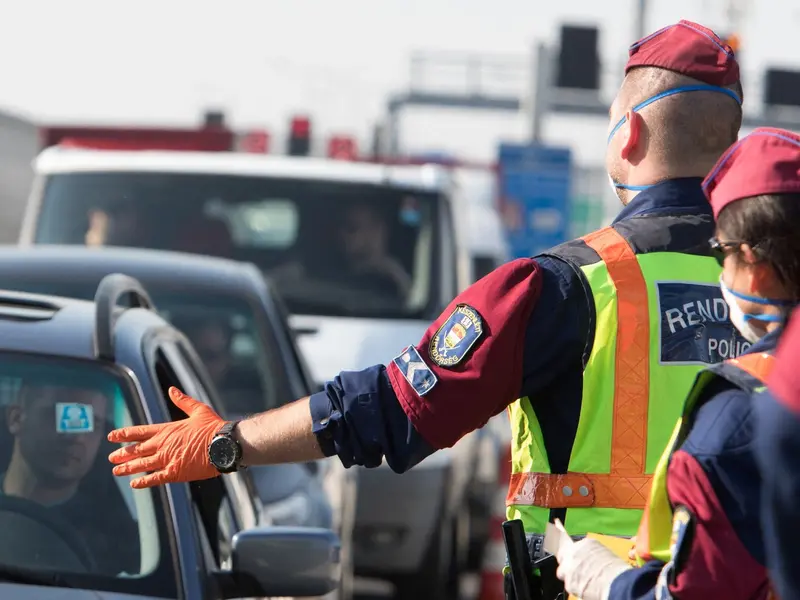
(416, 372)
(74, 418)
(456, 336)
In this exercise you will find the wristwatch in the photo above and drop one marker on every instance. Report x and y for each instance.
(224, 451)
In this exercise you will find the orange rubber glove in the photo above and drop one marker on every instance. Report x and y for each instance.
(172, 452)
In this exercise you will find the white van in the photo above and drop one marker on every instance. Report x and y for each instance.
(481, 240)
(365, 257)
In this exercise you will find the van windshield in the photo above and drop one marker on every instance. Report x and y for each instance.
(331, 248)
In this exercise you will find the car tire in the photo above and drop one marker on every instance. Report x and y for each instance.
(437, 578)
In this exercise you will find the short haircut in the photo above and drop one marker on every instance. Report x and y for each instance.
(685, 128)
(31, 390)
(769, 224)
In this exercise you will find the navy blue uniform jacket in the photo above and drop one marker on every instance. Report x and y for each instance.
(714, 475)
(536, 329)
(778, 448)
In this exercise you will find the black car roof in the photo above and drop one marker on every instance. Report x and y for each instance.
(159, 267)
(56, 326)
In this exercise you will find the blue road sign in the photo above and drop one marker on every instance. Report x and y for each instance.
(535, 182)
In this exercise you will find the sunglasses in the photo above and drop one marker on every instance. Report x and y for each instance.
(720, 249)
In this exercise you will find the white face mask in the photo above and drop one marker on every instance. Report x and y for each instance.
(612, 185)
(738, 317)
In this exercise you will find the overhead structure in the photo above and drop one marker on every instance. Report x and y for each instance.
(556, 82)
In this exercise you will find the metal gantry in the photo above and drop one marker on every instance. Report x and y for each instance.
(541, 98)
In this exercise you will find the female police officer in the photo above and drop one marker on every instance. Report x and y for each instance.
(778, 449)
(700, 536)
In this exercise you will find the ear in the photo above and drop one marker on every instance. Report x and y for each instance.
(762, 279)
(631, 133)
(14, 417)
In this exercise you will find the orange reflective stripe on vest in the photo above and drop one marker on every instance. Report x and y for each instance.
(626, 486)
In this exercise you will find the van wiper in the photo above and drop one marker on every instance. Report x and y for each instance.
(12, 574)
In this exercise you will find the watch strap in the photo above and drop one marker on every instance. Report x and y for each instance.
(227, 428)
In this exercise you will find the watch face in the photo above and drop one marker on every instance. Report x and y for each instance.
(222, 453)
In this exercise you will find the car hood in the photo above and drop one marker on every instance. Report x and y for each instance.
(14, 591)
(334, 344)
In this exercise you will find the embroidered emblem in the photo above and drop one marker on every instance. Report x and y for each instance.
(456, 336)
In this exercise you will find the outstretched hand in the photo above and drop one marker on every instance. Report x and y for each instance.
(171, 452)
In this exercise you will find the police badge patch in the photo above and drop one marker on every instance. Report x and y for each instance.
(456, 336)
(679, 546)
(681, 538)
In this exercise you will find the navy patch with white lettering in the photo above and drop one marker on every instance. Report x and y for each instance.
(695, 327)
(416, 372)
(456, 336)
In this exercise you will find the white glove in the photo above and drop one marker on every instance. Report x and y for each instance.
(587, 569)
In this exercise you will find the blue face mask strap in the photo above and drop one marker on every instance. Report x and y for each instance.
(649, 101)
(762, 301)
(633, 188)
(678, 90)
(765, 318)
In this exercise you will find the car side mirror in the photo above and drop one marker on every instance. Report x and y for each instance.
(282, 561)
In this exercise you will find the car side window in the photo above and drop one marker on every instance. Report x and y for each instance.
(226, 529)
(210, 497)
(209, 557)
(283, 318)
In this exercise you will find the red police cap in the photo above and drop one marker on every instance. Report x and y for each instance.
(765, 162)
(689, 49)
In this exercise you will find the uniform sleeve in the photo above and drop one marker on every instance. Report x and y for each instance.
(478, 376)
(778, 450)
(779, 457)
(466, 368)
(715, 531)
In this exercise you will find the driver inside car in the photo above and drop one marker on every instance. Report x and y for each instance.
(212, 338)
(57, 430)
(364, 238)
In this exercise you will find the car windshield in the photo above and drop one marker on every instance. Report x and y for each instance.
(61, 509)
(332, 248)
(235, 345)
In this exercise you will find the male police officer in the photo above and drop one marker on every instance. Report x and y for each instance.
(593, 345)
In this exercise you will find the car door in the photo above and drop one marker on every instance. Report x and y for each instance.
(221, 506)
(195, 382)
(241, 490)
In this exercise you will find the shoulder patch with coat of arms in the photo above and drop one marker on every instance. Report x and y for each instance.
(679, 545)
(457, 335)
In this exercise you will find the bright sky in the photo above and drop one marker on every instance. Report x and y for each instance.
(164, 61)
